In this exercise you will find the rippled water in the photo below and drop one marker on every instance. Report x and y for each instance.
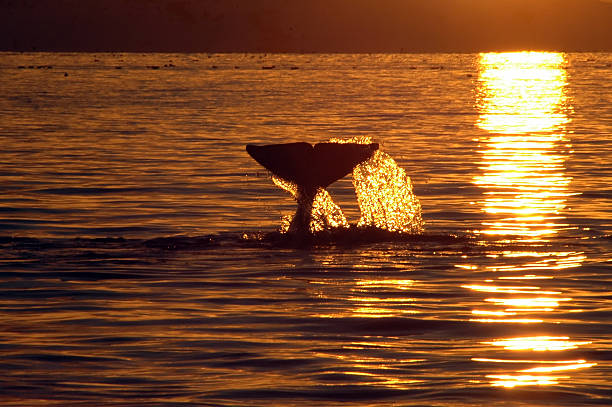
(139, 263)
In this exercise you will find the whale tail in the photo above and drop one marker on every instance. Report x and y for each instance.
(310, 168)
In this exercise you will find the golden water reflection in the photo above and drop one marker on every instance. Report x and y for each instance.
(538, 371)
(522, 92)
(373, 360)
(537, 343)
(523, 107)
(370, 298)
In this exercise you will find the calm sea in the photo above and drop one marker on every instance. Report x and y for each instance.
(139, 263)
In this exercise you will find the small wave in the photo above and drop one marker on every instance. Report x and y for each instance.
(339, 237)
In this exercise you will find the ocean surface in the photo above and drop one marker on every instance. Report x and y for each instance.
(141, 263)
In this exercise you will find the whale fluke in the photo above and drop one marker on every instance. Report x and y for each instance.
(310, 168)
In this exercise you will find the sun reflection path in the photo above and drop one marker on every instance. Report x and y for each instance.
(522, 92)
(523, 106)
(537, 343)
(517, 295)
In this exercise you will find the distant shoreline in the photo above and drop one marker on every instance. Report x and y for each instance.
(312, 27)
(339, 52)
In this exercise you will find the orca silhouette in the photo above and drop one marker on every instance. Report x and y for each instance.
(310, 168)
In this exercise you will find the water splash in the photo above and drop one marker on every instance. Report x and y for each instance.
(385, 196)
(384, 193)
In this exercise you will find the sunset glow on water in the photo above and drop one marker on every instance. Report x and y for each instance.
(524, 106)
(142, 260)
